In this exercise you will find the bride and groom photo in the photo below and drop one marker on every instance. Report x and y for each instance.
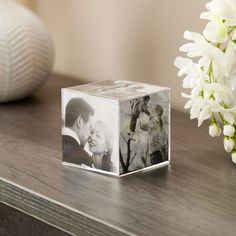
(144, 132)
(86, 142)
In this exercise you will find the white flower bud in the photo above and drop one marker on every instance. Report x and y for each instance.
(229, 117)
(228, 144)
(233, 155)
(214, 130)
(219, 131)
(229, 130)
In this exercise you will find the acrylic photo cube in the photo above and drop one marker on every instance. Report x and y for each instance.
(116, 127)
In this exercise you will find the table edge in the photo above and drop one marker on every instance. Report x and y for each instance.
(55, 213)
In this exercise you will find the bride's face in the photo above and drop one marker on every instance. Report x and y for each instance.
(97, 140)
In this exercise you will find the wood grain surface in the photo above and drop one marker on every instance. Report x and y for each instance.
(16, 223)
(195, 195)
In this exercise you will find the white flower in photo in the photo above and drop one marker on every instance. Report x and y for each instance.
(229, 130)
(214, 130)
(228, 144)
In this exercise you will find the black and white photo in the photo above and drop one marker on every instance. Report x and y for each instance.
(144, 131)
(88, 132)
(115, 127)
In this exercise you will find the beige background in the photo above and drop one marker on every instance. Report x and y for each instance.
(125, 39)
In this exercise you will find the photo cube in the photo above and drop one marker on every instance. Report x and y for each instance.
(116, 127)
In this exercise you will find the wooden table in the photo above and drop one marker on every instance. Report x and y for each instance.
(195, 195)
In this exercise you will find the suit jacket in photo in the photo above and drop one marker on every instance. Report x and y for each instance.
(74, 153)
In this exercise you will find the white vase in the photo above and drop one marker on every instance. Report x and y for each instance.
(26, 52)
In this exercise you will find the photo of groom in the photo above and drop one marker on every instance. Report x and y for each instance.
(76, 131)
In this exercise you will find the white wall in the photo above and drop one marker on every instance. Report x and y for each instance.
(127, 39)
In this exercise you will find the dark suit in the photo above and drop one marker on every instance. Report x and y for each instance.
(73, 153)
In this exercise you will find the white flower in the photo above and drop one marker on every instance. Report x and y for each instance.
(234, 35)
(202, 108)
(200, 47)
(229, 130)
(216, 30)
(211, 54)
(228, 116)
(209, 71)
(220, 92)
(230, 54)
(194, 75)
(228, 144)
(214, 130)
(233, 156)
(226, 8)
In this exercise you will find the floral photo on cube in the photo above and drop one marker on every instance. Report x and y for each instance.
(209, 72)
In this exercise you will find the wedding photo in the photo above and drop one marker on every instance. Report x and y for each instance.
(88, 133)
(144, 131)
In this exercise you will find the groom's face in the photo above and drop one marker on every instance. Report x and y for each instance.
(85, 129)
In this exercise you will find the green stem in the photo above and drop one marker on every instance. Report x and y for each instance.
(231, 29)
(213, 119)
(222, 118)
(210, 73)
(224, 105)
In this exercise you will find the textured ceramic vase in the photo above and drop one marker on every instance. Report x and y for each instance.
(26, 52)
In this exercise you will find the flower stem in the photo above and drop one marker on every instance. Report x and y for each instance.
(222, 118)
